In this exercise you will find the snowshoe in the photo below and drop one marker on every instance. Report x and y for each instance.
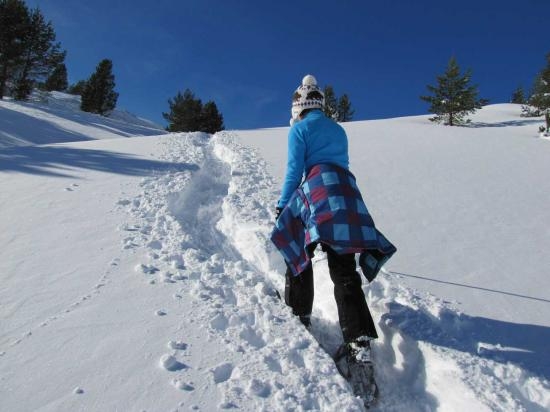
(354, 362)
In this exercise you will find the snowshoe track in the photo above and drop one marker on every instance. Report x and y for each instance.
(207, 232)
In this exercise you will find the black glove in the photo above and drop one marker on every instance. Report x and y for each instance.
(278, 211)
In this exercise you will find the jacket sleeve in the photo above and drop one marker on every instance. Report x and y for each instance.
(295, 165)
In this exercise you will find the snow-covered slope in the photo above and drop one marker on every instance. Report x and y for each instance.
(137, 274)
(466, 206)
(56, 117)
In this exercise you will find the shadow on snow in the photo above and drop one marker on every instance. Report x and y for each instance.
(503, 342)
(58, 161)
(516, 123)
(20, 129)
(409, 377)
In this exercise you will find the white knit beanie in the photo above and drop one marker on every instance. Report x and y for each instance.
(307, 96)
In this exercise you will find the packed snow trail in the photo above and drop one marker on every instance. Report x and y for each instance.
(208, 231)
(184, 220)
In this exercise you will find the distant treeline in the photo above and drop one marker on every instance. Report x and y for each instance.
(30, 57)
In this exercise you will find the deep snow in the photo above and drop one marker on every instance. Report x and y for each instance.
(137, 273)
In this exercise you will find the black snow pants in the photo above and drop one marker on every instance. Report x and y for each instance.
(353, 313)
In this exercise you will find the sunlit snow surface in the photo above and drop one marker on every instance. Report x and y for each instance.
(137, 273)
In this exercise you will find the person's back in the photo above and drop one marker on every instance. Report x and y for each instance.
(314, 140)
(325, 140)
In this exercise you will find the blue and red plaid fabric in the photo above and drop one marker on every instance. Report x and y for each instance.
(326, 208)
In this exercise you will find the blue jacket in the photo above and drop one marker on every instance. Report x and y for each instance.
(314, 140)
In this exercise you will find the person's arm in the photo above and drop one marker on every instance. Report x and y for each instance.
(294, 167)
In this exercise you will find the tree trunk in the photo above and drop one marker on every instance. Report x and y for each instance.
(3, 79)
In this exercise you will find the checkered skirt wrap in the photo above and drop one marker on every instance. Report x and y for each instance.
(327, 208)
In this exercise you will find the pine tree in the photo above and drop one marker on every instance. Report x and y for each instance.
(185, 113)
(14, 22)
(540, 98)
(28, 51)
(453, 98)
(57, 79)
(518, 96)
(77, 88)
(345, 112)
(331, 104)
(211, 119)
(41, 54)
(338, 109)
(99, 95)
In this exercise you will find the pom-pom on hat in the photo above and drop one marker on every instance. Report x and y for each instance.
(307, 96)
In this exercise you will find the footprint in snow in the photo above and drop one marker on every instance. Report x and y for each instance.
(129, 244)
(177, 345)
(250, 336)
(222, 372)
(259, 388)
(296, 358)
(179, 276)
(170, 363)
(155, 244)
(131, 229)
(147, 269)
(71, 188)
(168, 277)
(219, 322)
(273, 364)
(185, 386)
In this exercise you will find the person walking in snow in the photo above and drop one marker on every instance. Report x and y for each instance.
(320, 203)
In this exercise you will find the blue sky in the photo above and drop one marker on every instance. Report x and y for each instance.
(249, 56)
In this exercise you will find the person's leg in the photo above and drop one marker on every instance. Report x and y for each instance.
(353, 312)
(299, 293)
